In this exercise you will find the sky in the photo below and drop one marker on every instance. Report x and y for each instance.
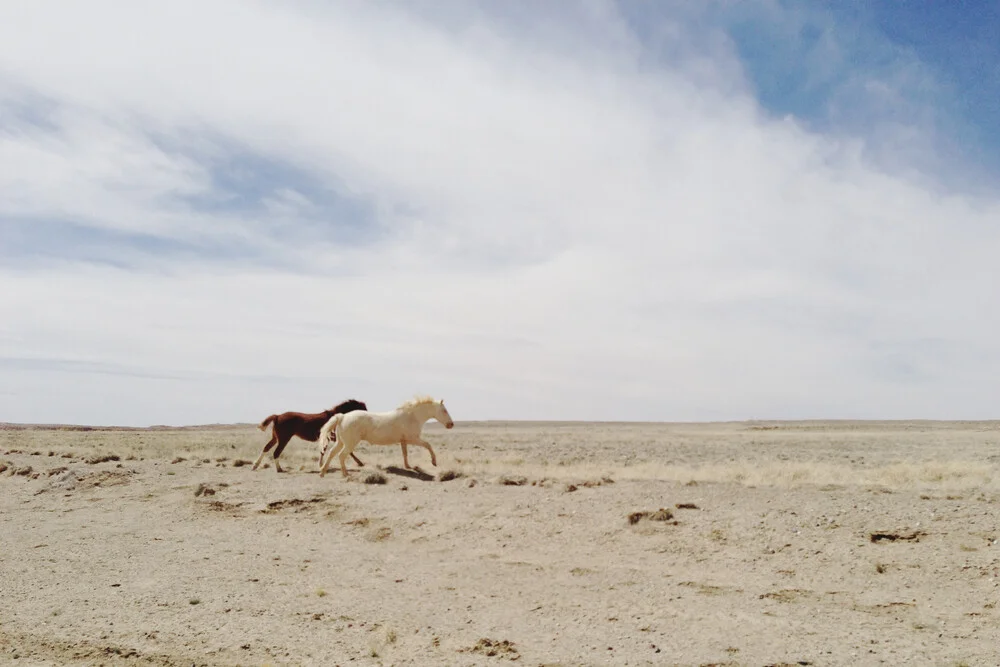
(612, 211)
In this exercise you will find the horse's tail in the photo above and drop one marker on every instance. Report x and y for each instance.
(263, 424)
(324, 434)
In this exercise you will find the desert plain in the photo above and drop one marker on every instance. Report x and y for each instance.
(750, 543)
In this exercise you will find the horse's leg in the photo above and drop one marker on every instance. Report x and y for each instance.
(347, 450)
(282, 443)
(426, 445)
(343, 463)
(267, 447)
(360, 464)
(336, 448)
(406, 461)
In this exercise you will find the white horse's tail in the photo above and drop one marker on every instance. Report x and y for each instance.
(324, 434)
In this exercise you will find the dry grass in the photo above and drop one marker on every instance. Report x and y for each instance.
(661, 514)
(794, 454)
(375, 478)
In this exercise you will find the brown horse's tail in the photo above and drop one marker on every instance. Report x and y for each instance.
(263, 424)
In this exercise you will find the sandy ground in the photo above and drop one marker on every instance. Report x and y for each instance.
(764, 555)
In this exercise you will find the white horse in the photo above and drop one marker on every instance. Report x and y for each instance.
(400, 426)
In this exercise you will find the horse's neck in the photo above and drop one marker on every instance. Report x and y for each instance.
(423, 412)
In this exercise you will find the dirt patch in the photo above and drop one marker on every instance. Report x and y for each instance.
(496, 648)
(221, 506)
(72, 480)
(293, 504)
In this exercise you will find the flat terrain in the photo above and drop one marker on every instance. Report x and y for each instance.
(819, 543)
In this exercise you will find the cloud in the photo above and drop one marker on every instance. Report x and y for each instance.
(246, 207)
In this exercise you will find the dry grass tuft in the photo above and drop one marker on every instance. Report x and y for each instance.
(375, 478)
(221, 506)
(513, 480)
(204, 490)
(913, 536)
(380, 534)
(448, 475)
(636, 517)
(662, 514)
(103, 458)
(686, 506)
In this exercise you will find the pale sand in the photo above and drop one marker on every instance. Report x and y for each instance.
(122, 563)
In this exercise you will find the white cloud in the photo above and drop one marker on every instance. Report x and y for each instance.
(565, 230)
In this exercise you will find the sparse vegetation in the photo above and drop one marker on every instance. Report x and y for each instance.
(513, 480)
(375, 478)
(204, 490)
(661, 514)
(913, 536)
(539, 534)
(102, 458)
(448, 475)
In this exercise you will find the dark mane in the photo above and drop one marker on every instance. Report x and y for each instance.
(350, 405)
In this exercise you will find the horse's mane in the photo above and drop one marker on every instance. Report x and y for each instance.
(417, 400)
(343, 404)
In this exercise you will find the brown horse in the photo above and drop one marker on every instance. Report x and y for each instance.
(306, 426)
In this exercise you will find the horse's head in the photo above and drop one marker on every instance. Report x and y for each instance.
(441, 414)
(349, 405)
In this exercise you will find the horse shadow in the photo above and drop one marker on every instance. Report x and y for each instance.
(415, 473)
